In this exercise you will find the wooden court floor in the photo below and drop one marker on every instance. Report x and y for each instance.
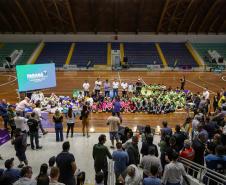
(67, 81)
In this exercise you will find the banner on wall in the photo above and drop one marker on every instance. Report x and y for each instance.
(35, 76)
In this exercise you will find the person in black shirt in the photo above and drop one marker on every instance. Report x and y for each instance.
(182, 83)
(138, 87)
(42, 178)
(20, 145)
(66, 163)
(33, 125)
(58, 120)
(180, 136)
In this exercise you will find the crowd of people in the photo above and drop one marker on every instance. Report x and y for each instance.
(200, 139)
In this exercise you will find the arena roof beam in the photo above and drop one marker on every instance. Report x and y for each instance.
(115, 16)
(173, 16)
(49, 24)
(24, 15)
(196, 15)
(68, 5)
(140, 8)
(36, 15)
(209, 13)
(58, 14)
(162, 15)
(17, 23)
(187, 11)
(222, 26)
(6, 22)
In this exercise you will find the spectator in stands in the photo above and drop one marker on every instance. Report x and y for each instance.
(20, 145)
(115, 85)
(100, 154)
(52, 161)
(26, 177)
(212, 144)
(215, 103)
(147, 132)
(121, 160)
(107, 86)
(180, 136)
(152, 179)
(174, 171)
(3, 113)
(11, 116)
(211, 127)
(113, 122)
(199, 145)
(99, 178)
(20, 122)
(133, 176)
(97, 86)
(54, 176)
(147, 144)
(10, 171)
(42, 178)
(85, 120)
(58, 120)
(150, 160)
(86, 87)
(70, 121)
(165, 130)
(187, 152)
(217, 161)
(33, 130)
(66, 163)
(20, 108)
(206, 93)
(38, 116)
(133, 151)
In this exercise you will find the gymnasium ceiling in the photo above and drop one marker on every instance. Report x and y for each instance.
(113, 16)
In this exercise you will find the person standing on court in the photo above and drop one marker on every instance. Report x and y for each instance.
(58, 120)
(97, 86)
(22, 105)
(124, 86)
(3, 113)
(117, 108)
(113, 122)
(85, 120)
(86, 87)
(70, 121)
(138, 86)
(115, 85)
(182, 83)
(107, 88)
(100, 154)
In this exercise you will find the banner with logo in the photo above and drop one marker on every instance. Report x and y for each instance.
(35, 76)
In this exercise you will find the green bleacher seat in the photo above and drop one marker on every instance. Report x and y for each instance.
(8, 48)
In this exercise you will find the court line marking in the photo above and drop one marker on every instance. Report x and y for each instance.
(6, 83)
(199, 86)
(208, 82)
(223, 78)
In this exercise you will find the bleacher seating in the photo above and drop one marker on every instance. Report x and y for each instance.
(7, 48)
(56, 52)
(202, 49)
(141, 54)
(96, 52)
(115, 46)
(177, 55)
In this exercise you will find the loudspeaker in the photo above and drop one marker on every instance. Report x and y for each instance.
(220, 60)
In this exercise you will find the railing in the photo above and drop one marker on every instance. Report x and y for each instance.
(203, 174)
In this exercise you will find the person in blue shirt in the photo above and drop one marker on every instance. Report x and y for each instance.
(152, 179)
(121, 160)
(13, 173)
(3, 112)
(217, 162)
